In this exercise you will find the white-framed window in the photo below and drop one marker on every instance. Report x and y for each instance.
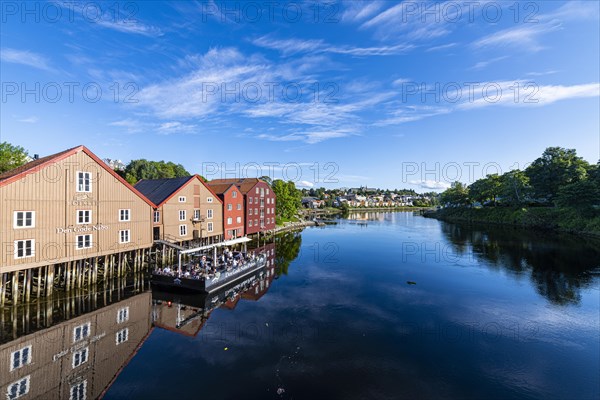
(250, 211)
(182, 230)
(83, 242)
(84, 181)
(256, 211)
(78, 391)
(20, 357)
(196, 214)
(229, 221)
(249, 222)
(234, 194)
(262, 192)
(239, 206)
(262, 202)
(238, 220)
(124, 215)
(257, 190)
(268, 200)
(124, 236)
(80, 357)
(209, 199)
(256, 222)
(156, 216)
(24, 248)
(209, 213)
(84, 217)
(18, 388)
(267, 191)
(250, 200)
(229, 207)
(24, 219)
(209, 227)
(182, 199)
(182, 215)
(81, 332)
(122, 315)
(122, 336)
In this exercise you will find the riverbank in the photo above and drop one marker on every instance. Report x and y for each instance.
(541, 218)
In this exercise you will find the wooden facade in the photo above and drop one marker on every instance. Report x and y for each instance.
(78, 358)
(63, 219)
(233, 209)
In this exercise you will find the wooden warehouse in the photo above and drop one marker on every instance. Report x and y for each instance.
(69, 220)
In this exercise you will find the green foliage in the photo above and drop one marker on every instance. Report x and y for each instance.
(144, 169)
(556, 167)
(289, 199)
(11, 156)
(456, 195)
(514, 188)
(486, 189)
(582, 195)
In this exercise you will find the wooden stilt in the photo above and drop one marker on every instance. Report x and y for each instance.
(2, 292)
(39, 282)
(27, 285)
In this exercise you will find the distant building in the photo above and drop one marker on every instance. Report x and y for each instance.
(117, 165)
(233, 209)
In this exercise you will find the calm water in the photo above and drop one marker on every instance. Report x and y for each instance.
(387, 306)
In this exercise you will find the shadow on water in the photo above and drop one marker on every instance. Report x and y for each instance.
(558, 265)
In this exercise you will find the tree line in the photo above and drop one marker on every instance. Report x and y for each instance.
(558, 178)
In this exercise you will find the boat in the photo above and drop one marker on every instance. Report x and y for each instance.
(211, 274)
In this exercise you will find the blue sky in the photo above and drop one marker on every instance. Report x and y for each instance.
(335, 94)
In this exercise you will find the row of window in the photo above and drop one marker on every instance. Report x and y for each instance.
(183, 199)
(183, 231)
(269, 211)
(230, 207)
(78, 391)
(237, 220)
(183, 215)
(262, 221)
(26, 219)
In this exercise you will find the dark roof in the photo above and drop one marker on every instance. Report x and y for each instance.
(159, 190)
(219, 188)
(32, 164)
(244, 184)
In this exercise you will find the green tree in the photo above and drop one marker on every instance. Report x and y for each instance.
(144, 169)
(11, 156)
(267, 179)
(582, 195)
(557, 167)
(486, 189)
(515, 189)
(456, 195)
(289, 199)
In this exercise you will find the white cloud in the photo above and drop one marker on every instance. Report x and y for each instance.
(25, 57)
(484, 64)
(29, 120)
(431, 184)
(360, 10)
(526, 37)
(305, 184)
(133, 27)
(442, 47)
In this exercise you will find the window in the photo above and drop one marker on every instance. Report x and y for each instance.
(209, 199)
(250, 200)
(210, 227)
(256, 211)
(234, 194)
(229, 221)
(182, 215)
(156, 216)
(256, 222)
(229, 207)
(239, 206)
(197, 214)
(182, 199)
(84, 216)
(24, 219)
(209, 214)
(262, 192)
(84, 180)
(124, 215)
(249, 222)
(80, 357)
(267, 192)
(238, 220)
(18, 388)
(122, 315)
(78, 391)
(256, 200)
(81, 332)
(84, 241)
(262, 202)
(182, 230)
(124, 236)
(268, 200)
(24, 248)
(122, 336)
(257, 190)
(20, 357)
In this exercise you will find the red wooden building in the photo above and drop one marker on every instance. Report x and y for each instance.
(233, 209)
(259, 203)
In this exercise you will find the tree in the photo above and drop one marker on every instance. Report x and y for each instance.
(456, 195)
(289, 199)
(557, 167)
(486, 189)
(582, 195)
(514, 188)
(267, 179)
(11, 156)
(144, 169)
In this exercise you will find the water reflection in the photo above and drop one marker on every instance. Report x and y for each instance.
(559, 266)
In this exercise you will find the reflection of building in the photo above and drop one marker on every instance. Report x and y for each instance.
(262, 284)
(78, 358)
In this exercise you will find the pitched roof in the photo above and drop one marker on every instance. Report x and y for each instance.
(244, 184)
(159, 190)
(39, 164)
(219, 188)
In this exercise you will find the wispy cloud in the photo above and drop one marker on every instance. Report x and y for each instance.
(442, 47)
(293, 46)
(29, 120)
(25, 57)
(430, 184)
(356, 11)
(484, 64)
(523, 37)
(133, 27)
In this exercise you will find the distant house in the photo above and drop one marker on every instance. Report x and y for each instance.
(185, 209)
(233, 208)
